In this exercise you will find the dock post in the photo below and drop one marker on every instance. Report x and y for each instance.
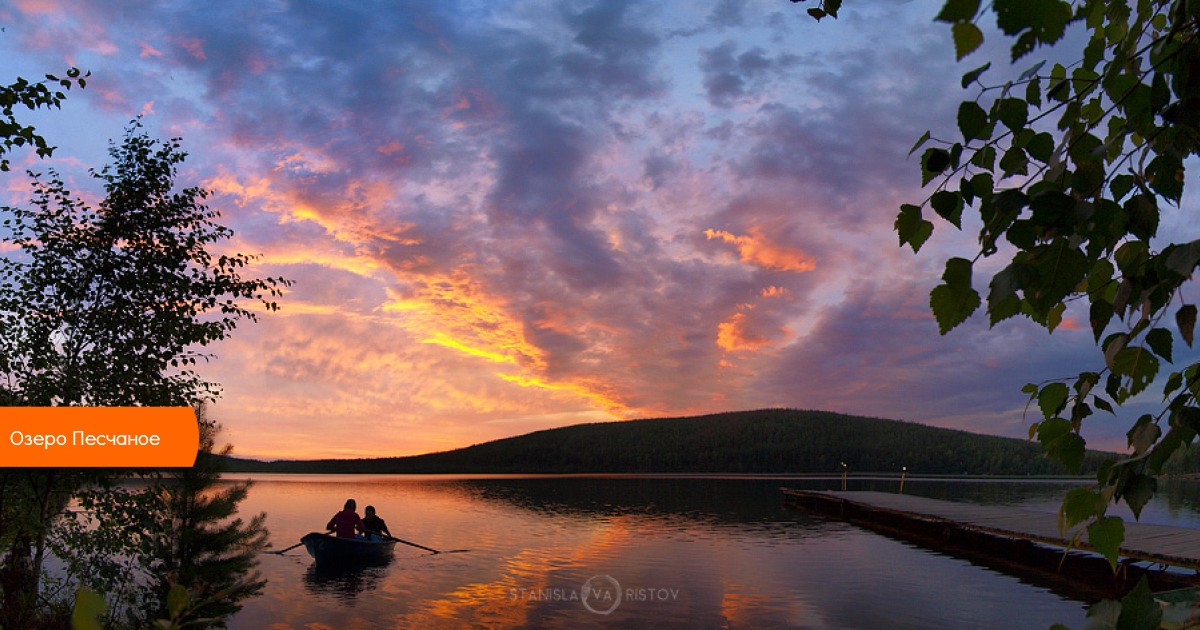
(843, 476)
(903, 471)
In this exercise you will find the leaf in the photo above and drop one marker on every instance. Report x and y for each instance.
(1003, 301)
(1078, 506)
(1033, 92)
(1166, 176)
(1100, 314)
(1143, 215)
(1013, 112)
(1052, 208)
(1120, 186)
(1138, 365)
(1052, 398)
(958, 11)
(1058, 268)
(1185, 319)
(1088, 178)
(919, 143)
(955, 300)
(1182, 258)
(1138, 491)
(1032, 71)
(1139, 610)
(1174, 382)
(1159, 340)
(177, 600)
(1143, 435)
(949, 205)
(1131, 256)
(1103, 614)
(911, 228)
(1061, 443)
(1188, 417)
(972, 120)
(933, 163)
(1053, 429)
(1068, 449)
(1014, 162)
(1041, 147)
(89, 607)
(972, 76)
(1105, 536)
(967, 38)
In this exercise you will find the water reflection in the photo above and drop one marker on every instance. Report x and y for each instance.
(345, 582)
(751, 506)
(689, 553)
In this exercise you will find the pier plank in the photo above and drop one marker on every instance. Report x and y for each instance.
(1161, 544)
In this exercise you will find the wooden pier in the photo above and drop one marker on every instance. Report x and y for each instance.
(1014, 540)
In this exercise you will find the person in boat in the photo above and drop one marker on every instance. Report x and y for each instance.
(347, 522)
(374, 524)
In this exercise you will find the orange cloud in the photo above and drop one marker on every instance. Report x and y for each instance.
(733, 337)
(774, 291)
(756, 249)
(1072, 323)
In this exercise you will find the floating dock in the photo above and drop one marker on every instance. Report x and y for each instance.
(1012, 539)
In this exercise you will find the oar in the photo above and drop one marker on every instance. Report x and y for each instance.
(288, 549)
(413, 544)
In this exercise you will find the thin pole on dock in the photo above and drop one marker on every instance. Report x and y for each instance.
(843, 476)
(903, 471)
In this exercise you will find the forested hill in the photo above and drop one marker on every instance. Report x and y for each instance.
(765, 441)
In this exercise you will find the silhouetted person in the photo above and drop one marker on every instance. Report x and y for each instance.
(346, 522)
(374, 524)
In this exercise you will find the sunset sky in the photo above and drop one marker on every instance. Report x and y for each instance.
(508, 216)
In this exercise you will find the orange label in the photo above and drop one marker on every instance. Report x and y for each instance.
(104, 437)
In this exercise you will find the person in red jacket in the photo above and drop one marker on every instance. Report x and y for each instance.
(347, 522)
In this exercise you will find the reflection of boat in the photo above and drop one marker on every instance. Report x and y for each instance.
(326, 549)
(345, 581)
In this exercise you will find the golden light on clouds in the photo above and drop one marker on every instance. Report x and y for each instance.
(447, 341)
(455, 311)
(613, 406)
(774, 291)
(758, 250)
(732, 335)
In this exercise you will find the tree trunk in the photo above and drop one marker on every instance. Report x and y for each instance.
(20, 586)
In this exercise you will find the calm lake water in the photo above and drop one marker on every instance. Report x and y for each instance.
(683, 552)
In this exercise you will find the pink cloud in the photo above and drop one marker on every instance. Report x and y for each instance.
(146, 50)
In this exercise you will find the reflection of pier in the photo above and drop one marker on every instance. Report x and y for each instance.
(1013, 540)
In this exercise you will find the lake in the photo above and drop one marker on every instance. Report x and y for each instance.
(630, 551)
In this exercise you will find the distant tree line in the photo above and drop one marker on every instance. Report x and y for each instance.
(762, 441)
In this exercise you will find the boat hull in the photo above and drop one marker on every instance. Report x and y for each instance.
(326, 549)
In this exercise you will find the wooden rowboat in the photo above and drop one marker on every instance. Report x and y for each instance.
(327, 549)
